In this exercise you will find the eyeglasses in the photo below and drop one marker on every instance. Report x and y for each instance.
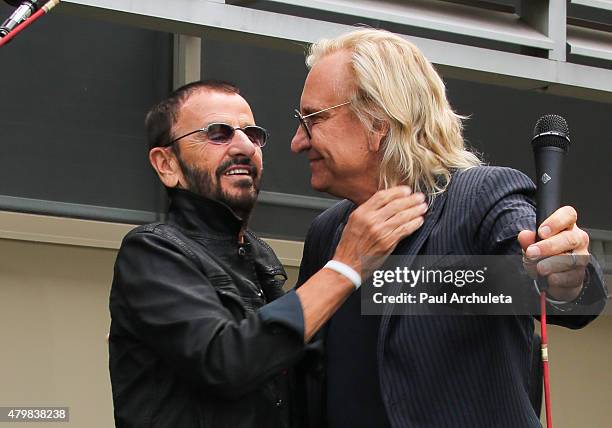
(222, 133)
(306, 124)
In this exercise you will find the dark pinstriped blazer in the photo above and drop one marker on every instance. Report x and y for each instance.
(436, 371)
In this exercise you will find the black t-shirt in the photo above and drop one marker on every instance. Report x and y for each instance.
(353, 389)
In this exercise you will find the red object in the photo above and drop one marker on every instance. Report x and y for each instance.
(40, 12)
(545, 359)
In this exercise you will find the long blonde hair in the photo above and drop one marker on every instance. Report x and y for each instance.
(396, 84)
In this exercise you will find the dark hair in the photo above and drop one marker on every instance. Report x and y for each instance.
(163, 115)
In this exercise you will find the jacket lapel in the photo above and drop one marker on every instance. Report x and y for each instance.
(406, 251)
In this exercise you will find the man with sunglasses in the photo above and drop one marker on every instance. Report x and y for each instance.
(374, 114)
(202, 334)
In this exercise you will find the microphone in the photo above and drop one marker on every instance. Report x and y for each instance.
(24, 10)
(550, 143)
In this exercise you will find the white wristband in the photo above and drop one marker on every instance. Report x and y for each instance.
(345, 270)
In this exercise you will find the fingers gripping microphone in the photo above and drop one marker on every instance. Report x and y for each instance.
(25, 8)
(550, 144)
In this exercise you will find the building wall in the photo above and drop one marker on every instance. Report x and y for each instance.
(54, 319)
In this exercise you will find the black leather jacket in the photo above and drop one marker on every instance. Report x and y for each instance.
(201, 333)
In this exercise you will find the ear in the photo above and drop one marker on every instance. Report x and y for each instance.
(166, 165)
(380, 129)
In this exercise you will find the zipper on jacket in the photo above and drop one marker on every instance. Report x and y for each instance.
(241, 253)
(241, 246)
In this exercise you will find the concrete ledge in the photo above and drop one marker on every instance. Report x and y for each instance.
(99, 234)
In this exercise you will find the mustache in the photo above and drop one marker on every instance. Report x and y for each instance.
(242, 161)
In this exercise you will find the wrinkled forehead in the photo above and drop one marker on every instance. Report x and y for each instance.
(329, 82)
(205, 105)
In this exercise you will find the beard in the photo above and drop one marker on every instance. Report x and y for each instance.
(241, 200)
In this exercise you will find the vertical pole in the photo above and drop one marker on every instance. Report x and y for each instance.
(187, 59)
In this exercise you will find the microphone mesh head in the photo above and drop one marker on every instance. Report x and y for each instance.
(551, 130)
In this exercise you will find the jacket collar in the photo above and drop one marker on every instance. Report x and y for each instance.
(201, 215)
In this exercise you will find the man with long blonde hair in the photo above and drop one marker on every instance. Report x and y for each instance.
(374, 114)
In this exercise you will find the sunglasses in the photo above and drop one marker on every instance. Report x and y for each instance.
(222, 133)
